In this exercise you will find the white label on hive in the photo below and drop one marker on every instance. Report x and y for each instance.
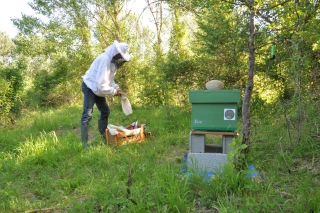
(197, 122)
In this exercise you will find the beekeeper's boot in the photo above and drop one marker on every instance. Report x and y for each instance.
(84, 136)
(102, 125)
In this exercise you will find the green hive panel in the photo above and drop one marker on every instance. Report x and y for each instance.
(214, 110)
(214, 96)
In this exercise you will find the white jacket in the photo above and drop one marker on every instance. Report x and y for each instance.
(100, 76)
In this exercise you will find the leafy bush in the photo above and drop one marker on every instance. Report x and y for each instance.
(54, 87)
(10, 93)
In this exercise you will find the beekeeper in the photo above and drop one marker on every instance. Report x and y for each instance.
(98, 82)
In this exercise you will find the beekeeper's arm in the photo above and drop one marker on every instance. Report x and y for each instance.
(113, 83)
(105, 80)
(116, 86)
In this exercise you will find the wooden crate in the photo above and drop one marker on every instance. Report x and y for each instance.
(133, 136)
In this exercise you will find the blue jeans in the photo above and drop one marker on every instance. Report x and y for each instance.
(88, 102)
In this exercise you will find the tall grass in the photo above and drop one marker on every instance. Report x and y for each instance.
(43, 167)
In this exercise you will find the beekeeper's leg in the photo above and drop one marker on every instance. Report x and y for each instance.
(84, 136)
(88, 103)
(104, 109)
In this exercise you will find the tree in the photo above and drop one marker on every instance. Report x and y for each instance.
(10, 80)
(6, 49)
(279, 22)
(250, 83)
(63, 45)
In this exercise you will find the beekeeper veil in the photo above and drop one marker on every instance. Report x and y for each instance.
(118, 47)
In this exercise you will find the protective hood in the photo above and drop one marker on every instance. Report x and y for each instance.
(100, 76)
(116, 48)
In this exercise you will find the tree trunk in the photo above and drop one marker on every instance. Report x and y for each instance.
(248, 92)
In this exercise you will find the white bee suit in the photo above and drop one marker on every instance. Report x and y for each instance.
(100, 76)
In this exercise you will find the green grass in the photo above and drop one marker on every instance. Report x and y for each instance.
(43, 167)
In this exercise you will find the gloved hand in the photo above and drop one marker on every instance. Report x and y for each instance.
(118, 92)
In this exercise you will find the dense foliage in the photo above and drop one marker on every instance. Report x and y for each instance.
(207, 40)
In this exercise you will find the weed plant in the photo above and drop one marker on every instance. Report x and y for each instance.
(44, 168)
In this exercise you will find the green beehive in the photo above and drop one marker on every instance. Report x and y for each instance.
(214, 110)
